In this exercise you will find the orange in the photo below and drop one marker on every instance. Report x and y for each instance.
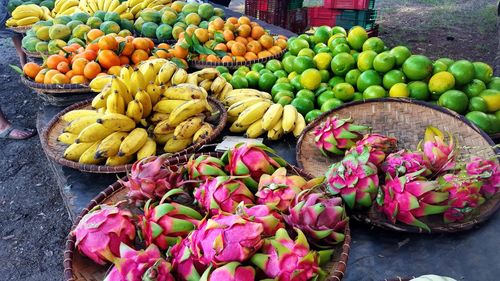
(180, 52)
(275, 50)
(91, 70)
(92, 47)
(209, 44)
(264, 54)
(232, 20)
(239, 59)
(79, 65)
(238, 49)
(212, 58)
(49, 75)
(41, 75)
(230, 43)
(150, 42)
(63, 67)
(244, 20)
(254, 47)
(221, 47)
(59, 78)
(124, 60)
(163, 54)
(163, 46)
(251, 56)
(228, 35)
(218, 23)
(226, 59)
(128, 49)
(242, 40)
(78, 79)
(281, 43)
(93, 34)
(244, 30)
(201, 34)
(53, 60)
(31, 69)
(108, 58)
(190, 30)
(140, 44)
(252, 24)
(70, 74)
(108, 42)
(138, 56)
(202, 57)
(88, 55)
(229, 26)
(115, 70)
(257, 32)
(266, 41)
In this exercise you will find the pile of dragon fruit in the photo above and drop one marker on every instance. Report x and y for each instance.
(249, 218)
(405, 185)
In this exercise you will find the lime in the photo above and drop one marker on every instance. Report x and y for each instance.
(306, 52)
(313, 114)
(446, 61)
(296, 83)
(296, 45)
(305, 37)
(280, 73)
(319, 46)
(244, 68)
(342, 63)
(327, 95)
(288, 63)
(265, 70)
(322, 60)
(418, 90)
(374, 92)
(284, 100)
(495, 124)
(334, 41)
(335, 80)
(384, 62)
(375, 44)
(478, 104)
(331, 104)
(480, 119)
(266, 81)
(281, 94)
(274, 65)
(439, 66)
(291, 75)
(302, 63)
(239, 82)
(253, 79)
(322, 34)
(367, 79)
(325, 75)
(357, 37)
(399, 90)
(355, 55)
(310, 79)
(307, 94)
(365, 60)
(257, 66)
(303, 105)
(227, 76)
(344, 91)
(401, 53)
(322, 87)
(282, 80)
(340, 48)
(281, 87)
(338, 30)
(454, 100)
(239, 72)
(441, 82)
(494, 84)
(357, 96)
(417, 67)
(393, 77)
(323, 50)
(463, 71)
(352, 76)
(492, 98)
(474, 88)
(483, 71)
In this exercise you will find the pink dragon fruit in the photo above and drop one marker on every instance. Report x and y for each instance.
(100, 232)
(250, 160)
(464, 196)
(408, 197)
(222, 194)
(379, 147)
(150, 180)
(487, 171)
(405, 162)
(140, 265)
(232, 271)
(270, 219)
(284, 259)
(355, 179)
(204, 167)
(225, 238)
(321, 218)
(335, 135)
(165, 224)
(440, 155)
(186, 266)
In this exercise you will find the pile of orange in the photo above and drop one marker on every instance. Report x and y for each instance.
(105, 54)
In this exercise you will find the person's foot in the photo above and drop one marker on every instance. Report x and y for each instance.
(14, 133)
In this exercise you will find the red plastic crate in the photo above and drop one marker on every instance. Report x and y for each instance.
(320, 22)
(322, 13)
(348, 4)
(273, 12)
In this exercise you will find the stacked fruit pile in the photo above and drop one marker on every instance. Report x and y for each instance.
(405, 185)
(94, 7)
(248, 204)
(28, 14)
(135, 7)
(13, 4)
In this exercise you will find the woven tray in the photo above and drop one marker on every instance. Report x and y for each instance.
(20, 29)
(406, 120)
(59, 89)
(55, 150)
(78, 267)
(37, 55)
(197, 64)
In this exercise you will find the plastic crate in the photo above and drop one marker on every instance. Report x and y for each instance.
(295, 4)
(319, 22)
(273, 12)
(296, 20)
(350, 4)
(350, 18)
(322, 13)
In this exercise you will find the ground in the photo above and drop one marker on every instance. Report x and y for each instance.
(33, 220)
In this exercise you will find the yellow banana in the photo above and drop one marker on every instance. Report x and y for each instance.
(157, 117)
(135, 9)
(300, 124)
(192, 79)
(276, 132)
(133, 142)
(11, 22)
(162, 138)
(147, 150)
(118, 85)
(117, 122)
(78, 113)
(27, 21)
(184, 92)
(94, 132)
(46, 13)
(99, 101)
(237, 108)
(93, 5)
(25, 11)
(115, 103)
(252, 113)
(248, 92)
(68, 4)
(74, 151)
(119, 160)
(149, 74)
(88, 157)
(176, 145)
(57, 5)
(186, 110)
(121, 8)
(167, 106)
(289, 118)
(236, 128)
(127, 15)
(162, 128)
(77, 125)
(135, 110)
(100, 4)
(186, 129)
(154, 91)
(255, 130)
(217, 85)
(225, 91)
(208, 73)
(125, 74)
(67, 138)
(145, 3)
(179, 77)
(145, 100)
(98, 83)
(166, 72)
(110, 145)
(272, 116)
(206, 84)
(69, 11)
(203, 132)
(229, 101)
(158, 64)
(136, 82)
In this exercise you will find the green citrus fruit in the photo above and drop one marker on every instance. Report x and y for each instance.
(331, 104)
(283, 93)
(284, 100)
(280, 73)
(463, 71)
(257, 66)
(375, 44)
(338, 30)
(296, 83)
(367, 79)
(266, 81)
(253, 79)
(351, 77)
(357, 37)
(335, 80)
(239, 82)
(478, 104)
(227, 76)
(222, 69)
(206, 10)
(454, 100)
(399, 90)
(374, 92)
(296, 45)
(169, 18)
(313, 114)
(336, 40)
(303, 105)
(274, 65)
(357, 96)
(310, 79)
(288, 63)
(474, 88)
(365, 60)
(494, 84)
(480, 119)
(384, 62)
(325, 75)
(340, 48)
(283, 80)
(393, 77)
(417, 67)
(239, 72)
(483, 71)
(495, 124)
(74, 23)
(302, 63)
(418, 90)
(322, 60)
(344, 91)
(441, 82)
(439, 66)
(322, 34)
(265, 70)
(492, 98)
(446, 61)
(326, 95)
(281, 87)
(401, 53)
(306, 52)
(148, 28)
(307, 94)
(342, 63)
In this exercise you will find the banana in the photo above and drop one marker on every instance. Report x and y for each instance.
(113, 5)
(119, 160)
(78, 113)
(70, 11)
(145, 100)
(186, 129)
(289, 118)
(236, 128)
(67, 138)
(118, 85)
(162, 128)
(57, 5)
(133, 142)
(98, 83)
(149, 73)
(252, 113)
(133, 3)
(93, 5)
(147, 150)
(167, 106)
(27, 21)
(115, 103)
(135, 110)
(229, 101)
(106, 4)
(121, 8)
(203, 132)
(249, 92)
(225, 91)
(46, 13)
(101, 110)
(88, 157)
(162, 138)
(68, 4)
(25, 11)
(300, 124)
(184, 92)
(125, 74)
(166, 72)
(255, 130)
(135, 9)
(192, 79)
(217, 85)
(77, 125)
(208, 73)
(179, 77)
(206, 84)
(186, 110)
(110, 145)
(145, 3)
(154, 91)
(136, 82)
(157, 117)
(117, 122)
(94, 132)
(276, 132)
(74, 151)
(176, 145)
(144, 123)
(99, 101)
(11, 22)
(237, 108)
(158, 63)
(272, 116)
(100, 4)
(127, 16)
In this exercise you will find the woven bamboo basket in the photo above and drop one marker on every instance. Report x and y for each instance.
(55, 150)
(20, 29)
(56, 89)
(405, 120)
(398, 279)
(197, 64)
(36, 55)
(80, 268)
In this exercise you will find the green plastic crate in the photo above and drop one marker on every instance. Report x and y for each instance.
(295, 4)
(350, 18)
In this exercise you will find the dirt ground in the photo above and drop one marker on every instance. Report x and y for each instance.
(33, 221)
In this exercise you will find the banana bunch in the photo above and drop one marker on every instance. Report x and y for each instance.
(91, 6)
(66, 7)
(135, 7)
(26, 15)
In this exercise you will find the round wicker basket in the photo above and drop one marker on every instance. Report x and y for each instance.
(20, 29)
(36, 55)
(56, 89)
(197, 64)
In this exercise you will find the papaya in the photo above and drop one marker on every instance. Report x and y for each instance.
(125, 33)
(47, 3)
(126, 24)
(29, 43)
(13, 4)
(77, 41)
(112, 16)
(62, 20)
(151, 16)
(94, 22)
(55, 46)
(80, 31)
(164, 33)
(43, 33)
(42, 47)
(59, 31)
(40, 24)
(81, 16)
(169, 18)
(100, 14)
(190, 8)
(149, 29)
(110, 27)
(74, 23)
(138, 24)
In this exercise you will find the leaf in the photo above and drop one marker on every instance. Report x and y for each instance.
(195, 40)
(203, 50)
(121, 46)
(17, 69)
(189, 41)
(178, 62)
(220, 53)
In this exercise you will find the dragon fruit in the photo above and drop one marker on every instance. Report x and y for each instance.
(440, 155)
(250, 160)
(335, 135)
(186, 266)
(464, 196)
(321, 218)
(270, 219)
(140, 265)
(487, 171)
(405, 162)
(150, 180)
(100, 232)
(222, 194)
(355, 179)
(232, 271)
(164, 224)
(408, 197)
(284, 259)
(379, 147)
(225, 238)
(204, 167)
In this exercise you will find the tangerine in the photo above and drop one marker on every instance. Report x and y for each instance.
(63, 67)
(221, 47)
(238, 49)
(244, 20)
(78, 79)
(230, 43)
(108, 42)
(218, 23)
(49, 75)
(242, 40)
(93, 34)
(239, 59)
(228, 35)
(41, 75)
(232, 20)
(59, 78)
(251, 56)
(244, 30)
(212, 58)
(128, 49)
(264, 54)
(138, 56)
(53, 60)
(92, 47)
(257, 32)
(140, 44)
(266, 41)
(201, 34)
(254, 47)
(79, 65)
(115, 70)
(226, 59)
(124, 60)
(70, 74)
(108, 59)
(31, 69)
(91, 70)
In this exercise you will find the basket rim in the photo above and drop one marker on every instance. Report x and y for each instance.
(60, 89)
(35, 54)
(206, 64)
(336, 274)
(20, 29)
(103, 169)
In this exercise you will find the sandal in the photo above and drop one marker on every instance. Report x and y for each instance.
(6, 134)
